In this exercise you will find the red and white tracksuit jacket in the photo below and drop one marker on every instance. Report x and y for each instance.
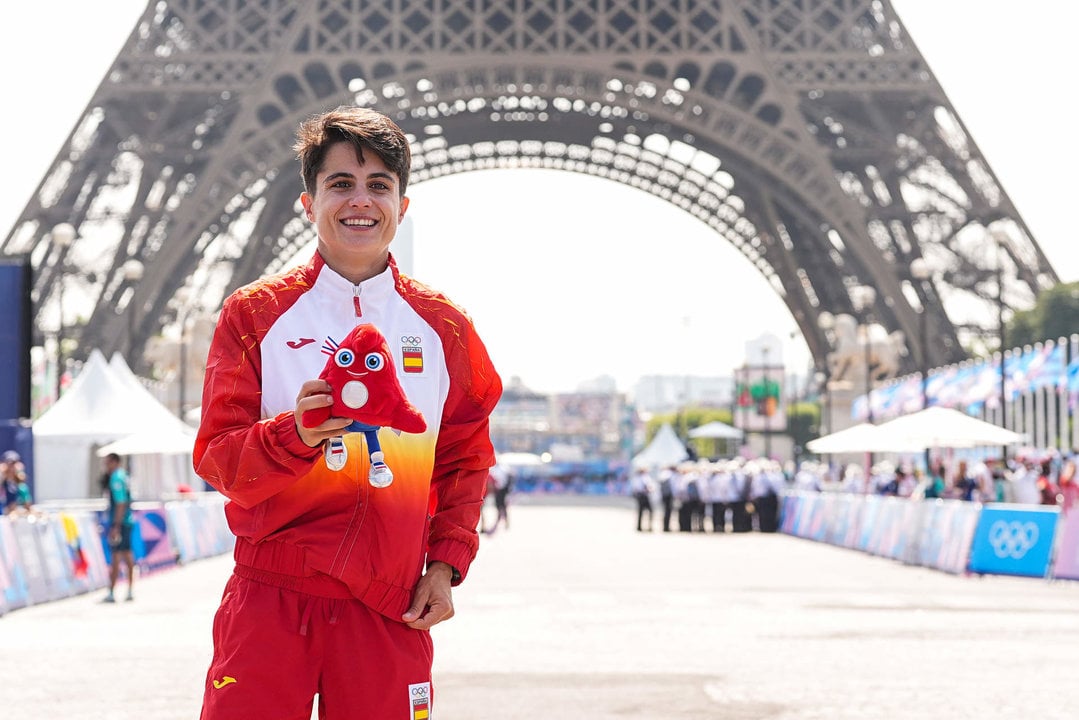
(302, 525)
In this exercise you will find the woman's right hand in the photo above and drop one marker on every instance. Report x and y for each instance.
(316, 394)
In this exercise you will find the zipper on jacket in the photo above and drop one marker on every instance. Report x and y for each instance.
(356, 300)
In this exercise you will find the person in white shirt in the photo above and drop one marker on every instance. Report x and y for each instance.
(1025, 484)
(640, 487)
(666, 494)
(719, 496)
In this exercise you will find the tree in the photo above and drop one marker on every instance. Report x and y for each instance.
(1056, 314)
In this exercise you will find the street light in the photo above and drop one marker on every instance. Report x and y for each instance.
(766, 405)
(826, 322)
(919, 270)
(182, 316)
(63, 236)
(999, 239)
(132, 271)
(863, 297)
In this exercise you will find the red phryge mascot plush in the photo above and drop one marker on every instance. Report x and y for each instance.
(364, 384)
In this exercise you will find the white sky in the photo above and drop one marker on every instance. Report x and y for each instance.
(569, 277)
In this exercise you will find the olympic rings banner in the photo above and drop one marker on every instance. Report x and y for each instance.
(1014, 540)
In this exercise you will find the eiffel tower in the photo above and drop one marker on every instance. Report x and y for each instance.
(810, 134)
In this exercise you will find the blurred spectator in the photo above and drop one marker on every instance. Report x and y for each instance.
(16, 493)
(722, 495)
(121, 521)
(1025, 483)
(1069, 485)
(666, 493)
(1047, 489)
(1002, 489)
(765, 488)
(640, 486)
(853, 479)
(808, 477)
(964, 485)
(934, 482)
(885, 479)
(905, 482)
(500, 482)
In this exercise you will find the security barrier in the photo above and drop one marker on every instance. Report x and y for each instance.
(1066, 565)
(1014, 540)
(949, 535)
(60, 552)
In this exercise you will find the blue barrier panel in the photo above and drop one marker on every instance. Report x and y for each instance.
(908, 544)
(14, 590)
(1066, 564)
(55, 559)
(1014, 540)
(97, 572)
(181, 532)
(871, 505)
(156, 551)
(789, 513)
(887, 533)
(960, 520)
(817, 523)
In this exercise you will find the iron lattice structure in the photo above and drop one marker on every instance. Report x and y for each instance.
(811, 134)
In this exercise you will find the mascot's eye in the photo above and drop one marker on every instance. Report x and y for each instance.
(344, 357)
(374, 361)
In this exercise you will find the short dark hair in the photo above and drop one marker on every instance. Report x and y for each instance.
(364, 129)
(113, 456)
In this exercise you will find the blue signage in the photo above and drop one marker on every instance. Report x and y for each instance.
(14, 338)
(1014, 540)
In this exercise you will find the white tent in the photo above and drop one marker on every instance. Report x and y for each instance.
(716, 430)
(948, 428)
(664, 450)
(101, 407)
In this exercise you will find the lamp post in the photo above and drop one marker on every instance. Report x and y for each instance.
(132, 272)
(63, 236)
(919, 270)
(183, 367)
(999, 239)
(182, 296)
(766, 406)
(826, 322)
(863, 297)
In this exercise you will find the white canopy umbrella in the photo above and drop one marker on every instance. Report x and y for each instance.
(863, 437)
(716, 429)
(948, 428)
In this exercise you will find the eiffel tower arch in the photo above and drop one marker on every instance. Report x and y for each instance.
(810, 134)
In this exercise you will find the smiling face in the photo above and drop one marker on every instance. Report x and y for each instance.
(356, 208)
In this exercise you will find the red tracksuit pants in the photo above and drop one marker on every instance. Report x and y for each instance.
(275, 648)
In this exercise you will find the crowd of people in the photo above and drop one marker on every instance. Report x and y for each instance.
(16, 496)
(743, 495)
(1028, 479)
(703, 495)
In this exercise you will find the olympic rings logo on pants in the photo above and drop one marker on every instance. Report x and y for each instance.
(1012, 539)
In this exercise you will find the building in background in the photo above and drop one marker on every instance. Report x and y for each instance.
(656, 394)
(571, 427)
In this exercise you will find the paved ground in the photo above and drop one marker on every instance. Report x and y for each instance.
(571, 614)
